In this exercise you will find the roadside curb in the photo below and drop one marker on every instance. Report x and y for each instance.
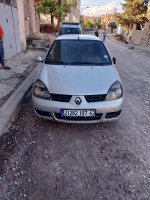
(109, 36)
(10, 108)
(130, 45)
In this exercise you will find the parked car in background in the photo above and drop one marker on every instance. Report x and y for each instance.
(70, 28)
(78, 82)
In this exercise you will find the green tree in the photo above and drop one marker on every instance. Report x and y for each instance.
(47, 7)
(92, 25)
(134, 13)
(89, 24)
(66, 10)
(53, 7)
(112, 25)
(98, 23)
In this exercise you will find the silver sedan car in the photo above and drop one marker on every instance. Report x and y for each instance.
(78, 82)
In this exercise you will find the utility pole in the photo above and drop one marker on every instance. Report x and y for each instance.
(61, 12)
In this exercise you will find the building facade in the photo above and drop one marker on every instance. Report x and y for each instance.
(74, 15)
(88, 18)
(107, 18)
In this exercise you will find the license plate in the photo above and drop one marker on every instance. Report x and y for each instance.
(77, 113)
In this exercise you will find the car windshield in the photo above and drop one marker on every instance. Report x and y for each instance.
(67, 30)
(75, 52)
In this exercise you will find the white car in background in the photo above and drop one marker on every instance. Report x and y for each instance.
(70, 28)
(78, 82)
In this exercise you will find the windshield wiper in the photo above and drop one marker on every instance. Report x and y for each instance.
(84, 63)
(75, 63)
(61, 63)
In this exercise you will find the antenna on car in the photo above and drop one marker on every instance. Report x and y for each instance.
(78, 38)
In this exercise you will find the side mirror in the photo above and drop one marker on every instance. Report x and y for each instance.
(57, 34)
(114, 60)
(39, 59)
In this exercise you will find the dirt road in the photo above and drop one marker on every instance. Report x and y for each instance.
(42, 160)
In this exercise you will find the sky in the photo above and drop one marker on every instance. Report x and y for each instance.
(98, 7)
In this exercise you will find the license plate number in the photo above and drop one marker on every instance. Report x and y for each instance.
(78, 113)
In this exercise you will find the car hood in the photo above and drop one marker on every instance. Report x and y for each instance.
(78, 80)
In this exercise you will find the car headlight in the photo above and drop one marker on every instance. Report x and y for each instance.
(40, 90)
(114, 92)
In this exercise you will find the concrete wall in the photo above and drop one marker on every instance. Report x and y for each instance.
(46, 19)
(31, 18)
(141, 37)
(27, 28)
(37, 16)
(10, 24)
(20, 5)
(74, 16)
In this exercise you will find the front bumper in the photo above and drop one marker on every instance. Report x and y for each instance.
(105, 110)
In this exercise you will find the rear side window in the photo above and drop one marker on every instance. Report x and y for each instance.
(75, 52)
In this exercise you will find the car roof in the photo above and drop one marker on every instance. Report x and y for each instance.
(70, 26)
(77, 37)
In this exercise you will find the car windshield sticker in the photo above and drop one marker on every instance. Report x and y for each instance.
(106, 57)
(51, 52)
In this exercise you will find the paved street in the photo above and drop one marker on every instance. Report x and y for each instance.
(43, 160)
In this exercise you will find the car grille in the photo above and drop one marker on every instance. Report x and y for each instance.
(60, 97)
(95, 98)
(67, 98)
(96, 117)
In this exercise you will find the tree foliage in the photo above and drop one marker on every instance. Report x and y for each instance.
(98, 23)
(89, 24)
(53, 7)
(112, 25)
(134, 12)
(47, 6)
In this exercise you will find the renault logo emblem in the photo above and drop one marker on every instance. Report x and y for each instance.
(78, 100)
